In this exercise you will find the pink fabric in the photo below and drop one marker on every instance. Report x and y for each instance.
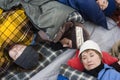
(76, 64)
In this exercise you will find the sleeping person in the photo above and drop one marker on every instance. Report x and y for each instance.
(91, 58)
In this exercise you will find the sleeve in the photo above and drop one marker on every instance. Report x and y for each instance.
(56, 46)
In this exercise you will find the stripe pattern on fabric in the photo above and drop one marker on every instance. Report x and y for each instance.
(48, 54)
(14, 28)
(73, 74)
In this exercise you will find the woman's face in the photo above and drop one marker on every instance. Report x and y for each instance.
(16, 51)
(90, 59)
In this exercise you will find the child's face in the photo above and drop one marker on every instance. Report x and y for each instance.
(16, 51)
(90, 59)
(103, 4)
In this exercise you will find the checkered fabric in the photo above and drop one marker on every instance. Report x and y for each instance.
(14, 28)
(73, 74)
(4, 65)
(49, 56)
(75, 17)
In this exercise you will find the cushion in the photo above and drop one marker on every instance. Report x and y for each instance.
(76, 64)
(89, 9)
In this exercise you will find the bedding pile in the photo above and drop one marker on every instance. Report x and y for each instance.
(53, 65)
(49, 56)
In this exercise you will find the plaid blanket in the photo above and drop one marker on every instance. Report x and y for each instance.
(73, 74)
(14, 28)
(49, 56)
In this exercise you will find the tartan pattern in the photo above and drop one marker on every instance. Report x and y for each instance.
(46, 51)
(14, 28)
(75, 17)
(49, 56)
(4, 66)
(73, 74)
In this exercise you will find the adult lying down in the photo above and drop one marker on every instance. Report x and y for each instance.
(94, 67)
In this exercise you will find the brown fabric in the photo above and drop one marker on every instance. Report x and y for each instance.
(116, 49)
(69, 31)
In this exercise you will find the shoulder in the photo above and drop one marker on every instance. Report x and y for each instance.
(108, 73)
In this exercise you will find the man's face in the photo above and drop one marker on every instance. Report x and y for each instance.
(103, 4)
(16, 51)
(90, 59)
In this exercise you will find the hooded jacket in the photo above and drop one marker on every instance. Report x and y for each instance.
(108, 73)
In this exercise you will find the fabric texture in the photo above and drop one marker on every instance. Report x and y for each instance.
(76, 32)
(72, 17)
(115, 51)
(108, 73)
(48, 54)
(89, 9)
(76, 63)
(116, 66)
(75, 17)
(51, 12)
(28, 59)
(60, 77)
(41, 11)
(89, 44)
(14, 28)
(4, 64)
(111, 8)
(73, 74)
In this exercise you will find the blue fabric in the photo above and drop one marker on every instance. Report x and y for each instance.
(108, 73)
(89, 9)
(111, 8)
(60, 77)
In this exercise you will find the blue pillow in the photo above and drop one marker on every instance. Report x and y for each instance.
(89, 9)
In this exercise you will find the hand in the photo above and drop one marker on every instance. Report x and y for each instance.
(66, 42)
(103, 4)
